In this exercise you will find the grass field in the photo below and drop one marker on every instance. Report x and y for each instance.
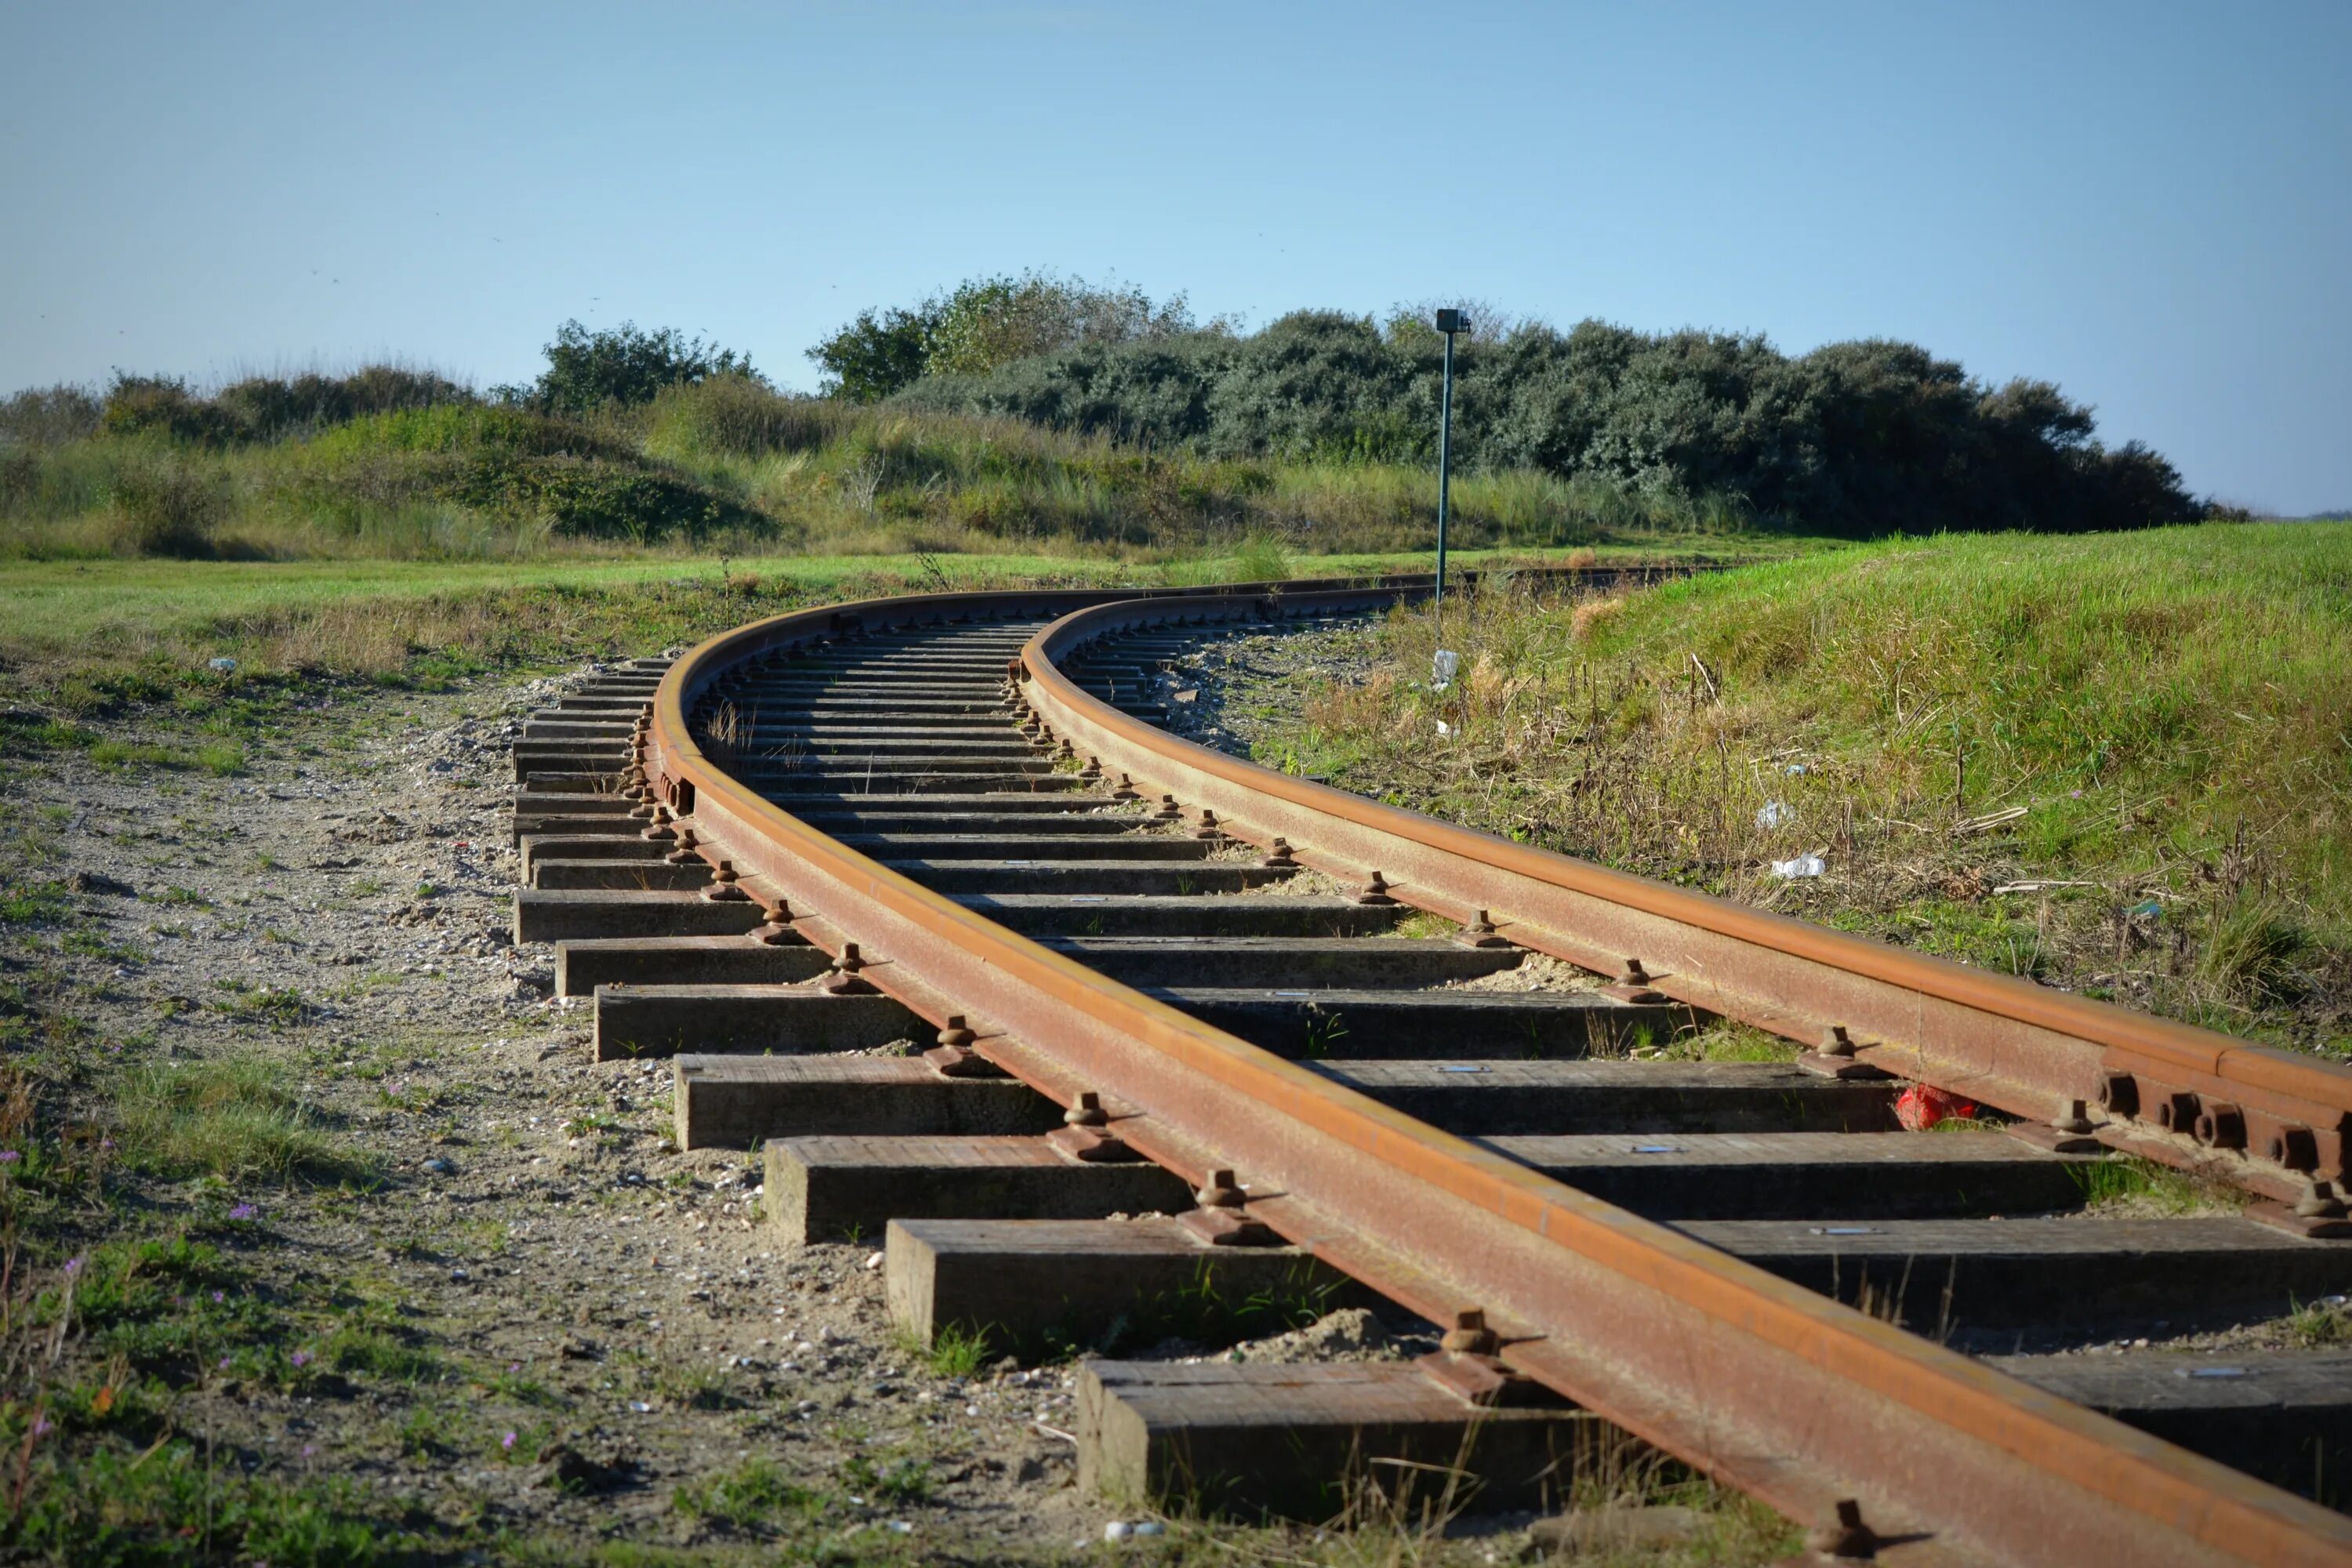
(2120, 762)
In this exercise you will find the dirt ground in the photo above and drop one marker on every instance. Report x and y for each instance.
(532, 1318)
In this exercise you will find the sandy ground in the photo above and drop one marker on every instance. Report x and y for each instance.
(345, 910)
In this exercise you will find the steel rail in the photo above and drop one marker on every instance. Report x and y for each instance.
(2002, 1041)
(1775, 1389)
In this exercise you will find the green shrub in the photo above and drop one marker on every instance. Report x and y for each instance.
(170, 503)
(621, 366)
(735, 415)
(1859, 439)
(49, 417)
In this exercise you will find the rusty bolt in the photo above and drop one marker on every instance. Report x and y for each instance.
(1375, 891)
(2177, 1112)
(1842, 1534)
(2075, 1119)
(1481, 932)
(1093, 770)
(2295, 1148)
(2119, 1094)
(1208, 829)
(1636, 975)
(1086, 1110)
(684, 854)
(777, 928)
(1280, 855)
(848, 978)
(2221, 1125)
(1470, 1336)
(1126, 790)
(1169, 811)
(722, 888)
(1220, 1192)
(1835, 1041)
(956, 1031)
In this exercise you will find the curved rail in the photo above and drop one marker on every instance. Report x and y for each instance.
(1779, 1391)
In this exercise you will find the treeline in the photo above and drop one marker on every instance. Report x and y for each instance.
(1859, 439)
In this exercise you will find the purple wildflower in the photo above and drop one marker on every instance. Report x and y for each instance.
(308, 1449)
(73, 1266)
(243, 1211)
(224, 1365)
(506, 1441)
(43, 1426)
(301, 1358)
(220, 1296)
(9, 1156)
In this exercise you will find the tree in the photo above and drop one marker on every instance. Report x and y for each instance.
(586, 370)
(987, 323)
(875, 356)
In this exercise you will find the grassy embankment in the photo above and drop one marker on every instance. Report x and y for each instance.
(2120, 764)
(147, 534)
(727, 466)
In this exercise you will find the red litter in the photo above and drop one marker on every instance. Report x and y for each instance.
(1920, 1107)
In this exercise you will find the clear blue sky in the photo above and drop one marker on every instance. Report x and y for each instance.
(2145, 203)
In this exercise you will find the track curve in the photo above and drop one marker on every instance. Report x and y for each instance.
(1774, 1387)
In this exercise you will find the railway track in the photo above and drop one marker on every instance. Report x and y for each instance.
(1199, 1041)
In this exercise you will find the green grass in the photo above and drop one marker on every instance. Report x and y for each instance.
(2159, 716)
(228, 1116)
(754, 1497)
(228, 608)
(2142, 1187)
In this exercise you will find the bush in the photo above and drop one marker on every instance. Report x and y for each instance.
(737, 415)
(49, 417)
(624, 365)
(1861, 438)
(169, 504)
(987, 323)
(267, 409)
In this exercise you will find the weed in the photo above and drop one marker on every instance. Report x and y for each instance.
(906, 1479)
(956, 1350)
(2133, 1185)
(230, 1116)
(112, 1506)
(2320, 1324)
(754, 1497)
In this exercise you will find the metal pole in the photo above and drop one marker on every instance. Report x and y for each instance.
(1445, 470)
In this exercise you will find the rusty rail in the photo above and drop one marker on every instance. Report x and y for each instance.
(1780, 1392)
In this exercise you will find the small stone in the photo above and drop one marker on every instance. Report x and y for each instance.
(440, 1166)
(99, 882)
(873, 1261)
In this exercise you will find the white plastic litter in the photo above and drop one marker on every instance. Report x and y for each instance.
(1774, 812)
(225, 666)
(1803, 866)
(1442, 667)
(1118, 1530)
(1150, 1527)
(1795, 770)
(1444, 728)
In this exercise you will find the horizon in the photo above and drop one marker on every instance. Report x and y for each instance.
(2063, 196)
